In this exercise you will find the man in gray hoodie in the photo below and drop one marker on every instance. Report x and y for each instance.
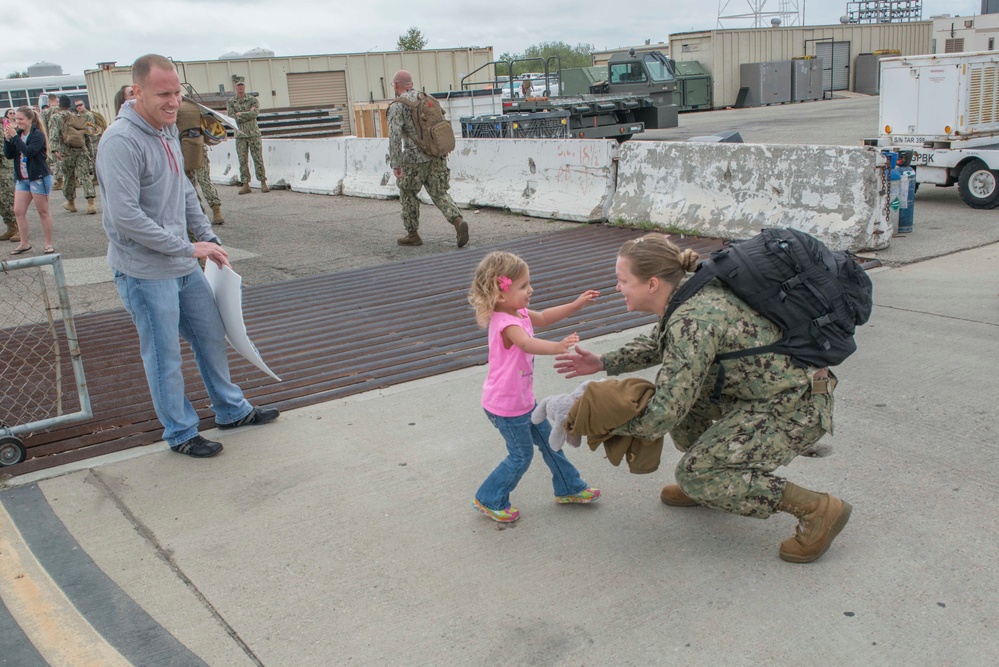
(149, 207)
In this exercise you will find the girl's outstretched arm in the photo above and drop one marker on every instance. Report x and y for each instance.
(550, 316)
(525, 342)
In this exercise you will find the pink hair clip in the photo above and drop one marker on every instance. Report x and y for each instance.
(504, 283)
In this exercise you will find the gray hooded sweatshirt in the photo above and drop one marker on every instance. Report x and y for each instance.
(149, 204)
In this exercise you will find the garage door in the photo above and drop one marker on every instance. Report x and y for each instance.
(835, 64)
(310, 89)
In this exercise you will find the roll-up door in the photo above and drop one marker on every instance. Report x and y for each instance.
(311, 89)
(835, 64)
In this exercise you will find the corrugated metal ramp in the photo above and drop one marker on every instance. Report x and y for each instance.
(339, 334)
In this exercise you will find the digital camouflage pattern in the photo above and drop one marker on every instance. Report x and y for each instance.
(75, 164)
(436, 177)
(402, 149)
(766, 417)
(55, 166)
(203, 177)
(248, 142)
(418, 169)
(7, 190)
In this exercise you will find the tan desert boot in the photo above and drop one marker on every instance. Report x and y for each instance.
(672, 495)
(263, 186)
(245, 190)
(90, 206)
(461, 231)
(217, 218)
(412, 238)
(70, 206)
(821, 517)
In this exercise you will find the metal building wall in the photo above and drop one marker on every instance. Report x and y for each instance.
(368, 75)
(721, 52)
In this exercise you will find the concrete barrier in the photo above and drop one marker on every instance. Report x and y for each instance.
(567, 179)
(734, 190)
(368, 172)
(315, 166)
(728, 190)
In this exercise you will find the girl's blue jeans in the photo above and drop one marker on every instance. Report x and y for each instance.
(163, 311)
(521, 438)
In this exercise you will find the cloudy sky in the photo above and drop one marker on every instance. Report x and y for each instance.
(78, 34)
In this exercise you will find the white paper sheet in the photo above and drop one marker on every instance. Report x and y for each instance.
(226, 284)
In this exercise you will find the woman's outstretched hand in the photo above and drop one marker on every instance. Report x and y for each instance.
(577, 363)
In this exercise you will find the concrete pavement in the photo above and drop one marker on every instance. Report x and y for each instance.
(344, 533)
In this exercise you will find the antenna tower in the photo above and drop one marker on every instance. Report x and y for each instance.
(760, 14)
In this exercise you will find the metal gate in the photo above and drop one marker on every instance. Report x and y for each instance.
(835, 64)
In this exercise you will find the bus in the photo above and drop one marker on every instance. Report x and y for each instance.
(20, 92)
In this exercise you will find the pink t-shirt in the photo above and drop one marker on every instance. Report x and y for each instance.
(509, 387)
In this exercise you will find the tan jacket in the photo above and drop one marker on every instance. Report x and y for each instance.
(605, 406)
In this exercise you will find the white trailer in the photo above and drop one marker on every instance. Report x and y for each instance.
(945, 109)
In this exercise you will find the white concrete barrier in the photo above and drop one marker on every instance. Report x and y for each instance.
(368, 172)
(734, 190)
(567, 179)
(315, 166)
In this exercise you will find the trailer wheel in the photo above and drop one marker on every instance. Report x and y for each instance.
(978, 185)
(11, 450)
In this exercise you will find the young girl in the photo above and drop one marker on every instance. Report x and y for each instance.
(500, 293)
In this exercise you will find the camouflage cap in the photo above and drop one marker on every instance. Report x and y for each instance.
(237, 79)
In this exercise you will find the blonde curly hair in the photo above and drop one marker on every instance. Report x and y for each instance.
(486, 289)
(654, 255)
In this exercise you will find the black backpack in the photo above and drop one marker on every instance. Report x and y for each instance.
(815, 295)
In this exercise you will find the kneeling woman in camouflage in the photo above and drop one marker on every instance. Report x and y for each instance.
(768, 412)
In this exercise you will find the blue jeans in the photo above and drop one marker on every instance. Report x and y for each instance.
(42, 186)
(164, 310)
(521, 437)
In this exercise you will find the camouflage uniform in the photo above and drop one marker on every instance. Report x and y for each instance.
(203, 177)
(7, 193)
(55, 166)
(247, 136)
(766, 417)
(418, 169)
(75, 161)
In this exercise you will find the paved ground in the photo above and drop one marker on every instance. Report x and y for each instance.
(343, 534)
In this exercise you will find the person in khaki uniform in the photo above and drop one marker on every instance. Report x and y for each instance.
(769, 410)
(414, 169)
(245, 109)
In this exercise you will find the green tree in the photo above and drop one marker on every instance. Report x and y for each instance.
(413, 40)
(18, 75)
(569, 56)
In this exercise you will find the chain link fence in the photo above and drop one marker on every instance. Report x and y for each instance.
(42, 383)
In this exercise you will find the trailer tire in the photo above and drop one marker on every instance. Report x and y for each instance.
(978, 185)
(12, 451)
(621, 138)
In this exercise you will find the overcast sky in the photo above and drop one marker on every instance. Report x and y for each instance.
(78, 34)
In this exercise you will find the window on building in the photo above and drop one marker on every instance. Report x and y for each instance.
(992, 44)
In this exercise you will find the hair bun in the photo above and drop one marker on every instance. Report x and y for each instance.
(688, 260)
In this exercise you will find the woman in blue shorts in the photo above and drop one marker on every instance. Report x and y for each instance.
(25, 144)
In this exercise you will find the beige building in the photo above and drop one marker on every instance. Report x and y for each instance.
(954, 34)
(295, 81)
(722, 52)
(600, 58)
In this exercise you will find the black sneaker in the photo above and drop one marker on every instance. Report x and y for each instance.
(198, 447)
(256, 417)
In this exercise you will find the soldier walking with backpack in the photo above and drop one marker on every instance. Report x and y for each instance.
(419, 141)
(69, 146)
(736, 417)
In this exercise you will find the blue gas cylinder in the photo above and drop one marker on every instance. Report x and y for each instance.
(894, 186)
(906, 192)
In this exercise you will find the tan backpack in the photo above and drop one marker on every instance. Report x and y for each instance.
(191, 139)
(74, 130)
(434, 135)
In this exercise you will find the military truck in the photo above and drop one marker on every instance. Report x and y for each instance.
(636, 94)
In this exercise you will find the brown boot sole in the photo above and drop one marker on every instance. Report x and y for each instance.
(462, 234)
(836, 529)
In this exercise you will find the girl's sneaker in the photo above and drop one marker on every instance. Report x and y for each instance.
(587, 495)
(508, 515)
